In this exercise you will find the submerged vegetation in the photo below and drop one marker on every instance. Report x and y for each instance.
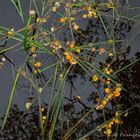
(77, 70)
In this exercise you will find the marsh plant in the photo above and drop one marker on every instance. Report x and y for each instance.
(75, 69)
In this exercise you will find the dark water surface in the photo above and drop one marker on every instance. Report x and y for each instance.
(10, 19)
(130, 78)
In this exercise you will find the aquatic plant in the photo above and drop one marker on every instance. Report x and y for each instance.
(62, 41)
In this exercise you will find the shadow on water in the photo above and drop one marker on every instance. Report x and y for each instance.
(22, 124)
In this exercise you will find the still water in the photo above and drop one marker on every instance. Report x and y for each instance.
(129, 77)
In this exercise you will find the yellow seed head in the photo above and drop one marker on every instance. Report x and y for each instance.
(108, 132)
(117, 121)
(68, 57)
(54, 9)
(110, 5)
(10, 33)
(44, 117)
(104, 102)
(107, 82)
(95, 78)
(85, 16)
(72, 61)
(36, 71)
(110, 41)
(107, 90)
(78, 98)
(38, 20)
(37, 64)
(72, 18)
(116, 93)
(110, 96)
(118, 89)
(76, 27)
(101, 51)
(78, 50)
(94, 14)
(89, 14)
(72, 45)
(33, 49)
(89, 7)
(62, 20)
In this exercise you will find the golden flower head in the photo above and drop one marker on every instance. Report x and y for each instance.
(62, 19)
(33, 49)
(38, 64)
(10, 33)
(95, 78)
(108, 132)
(101, 51)
(107, 90)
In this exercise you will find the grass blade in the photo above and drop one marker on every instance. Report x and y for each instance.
(17, 5)
(11, 97)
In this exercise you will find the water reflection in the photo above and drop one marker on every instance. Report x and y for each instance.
(25, 124)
